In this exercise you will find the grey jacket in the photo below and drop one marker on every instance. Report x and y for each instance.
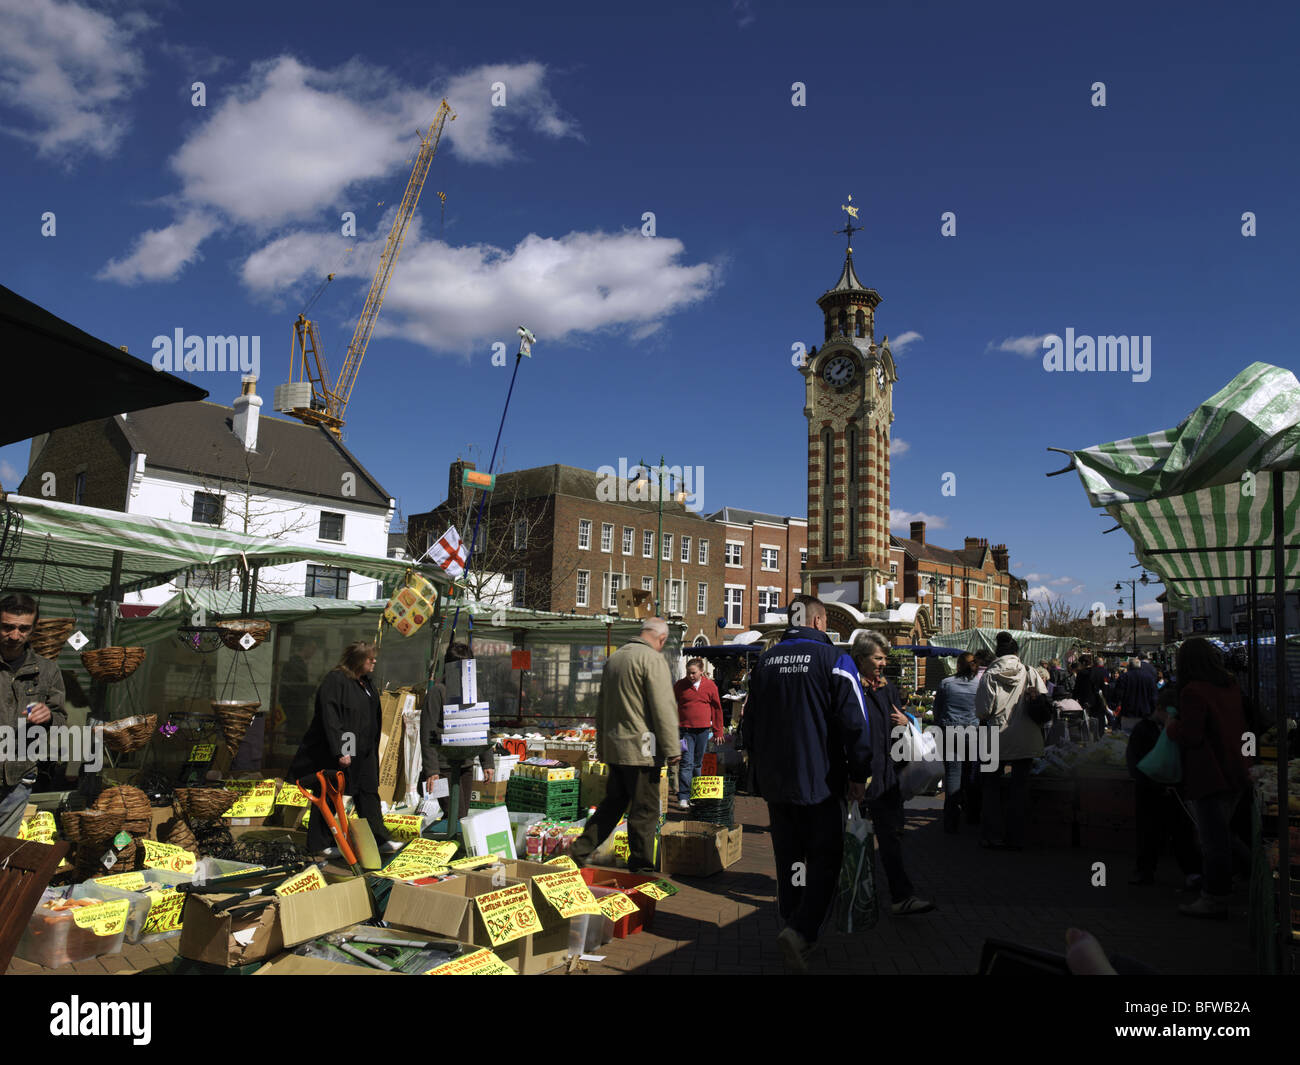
(30, 679)
(636, 718)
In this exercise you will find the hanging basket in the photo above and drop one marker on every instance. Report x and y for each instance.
(111, 664)
(176, 832)
(90, 859)
(234, 630)
(203, 804)
(132, 803)
(50, 634)
(234, 716)
(129, 733)
(94, 827)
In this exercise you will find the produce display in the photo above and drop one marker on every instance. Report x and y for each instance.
(1071, 759)
(1265, 778)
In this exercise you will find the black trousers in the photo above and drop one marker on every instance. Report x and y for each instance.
(1005, 803)
(1159, 817)
(887, 817)
(808, 845)
(635, 789)
(366, 803)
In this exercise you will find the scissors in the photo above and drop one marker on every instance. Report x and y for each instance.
(336, 820)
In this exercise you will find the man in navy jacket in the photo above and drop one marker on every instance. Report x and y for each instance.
(806, 730)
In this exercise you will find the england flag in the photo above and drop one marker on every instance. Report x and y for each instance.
(450, 553)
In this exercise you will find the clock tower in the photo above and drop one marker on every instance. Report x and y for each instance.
(849, 406)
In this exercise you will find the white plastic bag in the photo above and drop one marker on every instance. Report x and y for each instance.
(924, 767)
(411, 756)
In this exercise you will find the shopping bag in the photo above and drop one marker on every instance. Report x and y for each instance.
(1164, 762)
(856, 907)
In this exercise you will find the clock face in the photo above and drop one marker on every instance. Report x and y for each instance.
(839, 371)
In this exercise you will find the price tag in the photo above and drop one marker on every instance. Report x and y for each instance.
(562, 862)
(167, 856)
(404, 827)
(289, 795)
(707, 788)
(659, 890)
(567, 892)
(39, 828)
(203, 752)
(104, 918)
(480, 963)
(616, 906)
(308, 880)
(508, 914)
(621, 848)
(420, 858)
(164, 913)
(465, 864)
(123, 881)
(78, 640)
(255, 798)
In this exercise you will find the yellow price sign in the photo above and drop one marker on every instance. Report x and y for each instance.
(621, 848)
(616, 906)
(39, 828)
(562, 862)
(203, 752)
(289, 795)
(707, 788)
(165, 911)
(659, 890)
(508, 914)
(420, 858)
(124, 881)
(481, 963)
(308, 880)
(404, 827)
(104, 918)
(477, 862)
(567, 892)
(167, 856)
(254, 798)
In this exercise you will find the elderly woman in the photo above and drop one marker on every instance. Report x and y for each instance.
(884, 800)
(1001, 702)
(344, 735)
(954, 708)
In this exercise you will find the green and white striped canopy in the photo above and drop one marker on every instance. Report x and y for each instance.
(70, 549)
(1206, 484)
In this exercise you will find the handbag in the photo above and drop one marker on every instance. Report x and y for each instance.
(1164, 762)
(856, 907)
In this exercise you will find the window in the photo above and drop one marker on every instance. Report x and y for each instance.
(673, 591)
(701, 598)
(956, 619)
(648, 543)
(704, 552)
(518, 591)
(893, 569)
(647, 584)
(735, 607)
(584, 585)
(803, 556)
(584, 534)
(606, 537)
(1004, 619)
(987, 615)
(976, 589)
(628, 533)
(209, 509)
(770, 555)
(79, 490)
(733, 552)
(614, 581)
(956, 587)
(331, 526)
(668, 547)
(521, 535)
(327, 582)
(686, 549)
(769, 599)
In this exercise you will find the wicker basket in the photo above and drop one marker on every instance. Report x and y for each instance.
(129, 733)
(203, 804)
(132, 803)
(50, 634)
(90, 859)
(234, 717)
(233, 631)
(92, 827)
(111, 664)
(176, 832)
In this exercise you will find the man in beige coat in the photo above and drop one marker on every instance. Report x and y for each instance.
(1001, 702)
(636, 732)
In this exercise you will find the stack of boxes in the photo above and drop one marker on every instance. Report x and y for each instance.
(542, 786)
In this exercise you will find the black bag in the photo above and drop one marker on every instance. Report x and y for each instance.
(1040, 709)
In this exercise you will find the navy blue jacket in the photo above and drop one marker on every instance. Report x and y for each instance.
(880, 707)
(805, 725)
(1135, 691)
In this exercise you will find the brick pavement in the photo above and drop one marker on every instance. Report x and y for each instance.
(727, 923)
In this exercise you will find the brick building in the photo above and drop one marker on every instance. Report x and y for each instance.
(763, 557)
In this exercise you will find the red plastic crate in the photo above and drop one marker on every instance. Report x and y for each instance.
(643, 919)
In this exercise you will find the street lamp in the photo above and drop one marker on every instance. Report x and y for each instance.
(1132, 584)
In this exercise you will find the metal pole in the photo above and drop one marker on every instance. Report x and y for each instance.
(659, 547)
(1279, 664)
(1252, 622)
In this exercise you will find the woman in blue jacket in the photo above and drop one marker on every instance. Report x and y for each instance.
(954, 707)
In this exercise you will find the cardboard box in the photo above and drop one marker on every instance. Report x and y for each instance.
(293, 965)
(696, 848)
(493, 791)
(392, 704)
(548, 948)
(447, 909)
(635, 603)
(621, 879)
(574, 756)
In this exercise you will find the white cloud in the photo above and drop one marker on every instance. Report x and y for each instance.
(481, 131)
(68, 70)
(744, 13)
(1037, 576)
(898, 343)
(901, 520)
(899, 447)
(161, 254)
(9, 472)
(1027, 346)
(1077, 590)
(1039, 592)
(456, 300)
(1153, 610)
(1062, 580)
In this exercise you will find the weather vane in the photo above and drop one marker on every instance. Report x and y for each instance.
(849, 228)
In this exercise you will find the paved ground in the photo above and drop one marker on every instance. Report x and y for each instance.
(727, 923)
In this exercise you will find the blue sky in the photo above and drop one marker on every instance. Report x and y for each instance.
(1122, 219)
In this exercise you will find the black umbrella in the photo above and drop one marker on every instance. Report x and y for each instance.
(70, 376)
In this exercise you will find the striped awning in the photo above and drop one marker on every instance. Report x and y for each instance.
(1206, 485)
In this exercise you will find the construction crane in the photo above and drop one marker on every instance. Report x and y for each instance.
(308, 396)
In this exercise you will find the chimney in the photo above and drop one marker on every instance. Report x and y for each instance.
(1001, 558)
(918, 532)
(976, 543)
(247, 407)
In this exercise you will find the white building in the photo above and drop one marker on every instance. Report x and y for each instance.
(227, 467)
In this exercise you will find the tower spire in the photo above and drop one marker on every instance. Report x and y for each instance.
(849, 228)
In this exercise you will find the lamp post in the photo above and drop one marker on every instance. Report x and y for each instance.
(1132, 585)
(659, 540)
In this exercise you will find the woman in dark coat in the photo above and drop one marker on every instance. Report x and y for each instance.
(344, 735)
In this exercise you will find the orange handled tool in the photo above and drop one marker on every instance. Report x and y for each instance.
(336, 820)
